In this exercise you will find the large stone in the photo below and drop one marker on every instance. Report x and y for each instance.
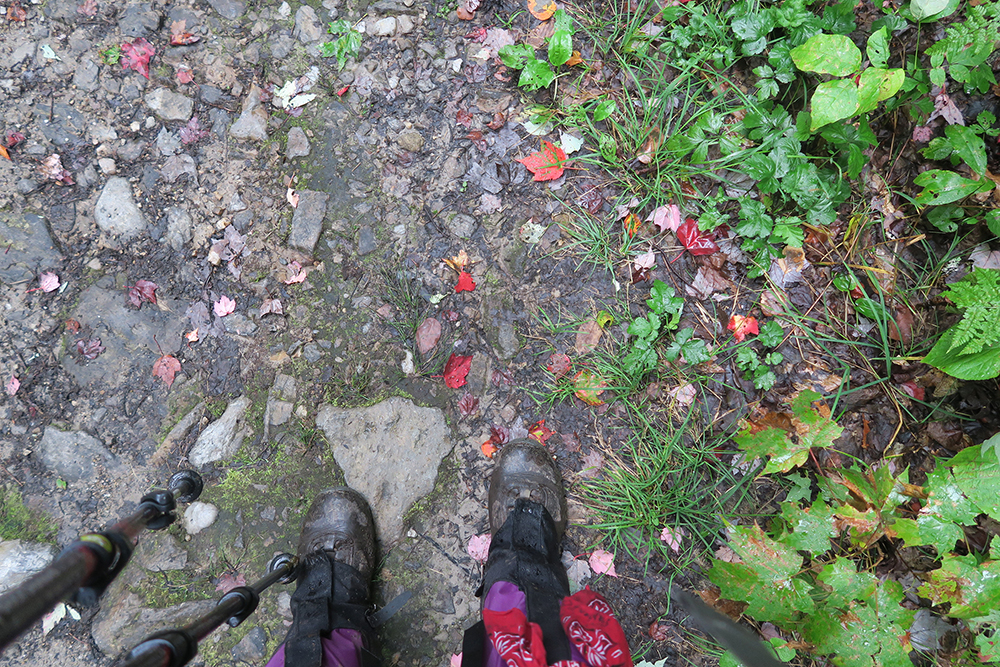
(410, 140)
(180, 227)
(223, 437)
(19, 560)
(85, 77)
(169, 105)
(159, 551)
(116, 212)
(138, 20)
(124, 621)
(390, 453)
(28, 248)
(252, 123)
(298, 143)
(229, 9)
(74, 456)
(307, 221)
(307, 25)
(198, 516)
(251, 648)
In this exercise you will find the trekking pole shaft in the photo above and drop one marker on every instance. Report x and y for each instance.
(25, 604)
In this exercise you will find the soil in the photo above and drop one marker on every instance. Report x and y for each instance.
(396, 179)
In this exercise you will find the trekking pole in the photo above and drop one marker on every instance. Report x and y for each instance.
(87, 566)
(178, 646)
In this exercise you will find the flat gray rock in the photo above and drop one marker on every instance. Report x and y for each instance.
(19, 560)
(223, 437)
(252, 123)
(298, 143)
(228, 9)
(159, 551)
(307, 221)
(169, 105)
(116, 212)
(74, 455)
(180, 227)
(308, 28)
(124, 621)
(390, 453)
(28, 248)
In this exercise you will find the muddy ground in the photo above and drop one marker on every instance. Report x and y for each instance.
(388, 183)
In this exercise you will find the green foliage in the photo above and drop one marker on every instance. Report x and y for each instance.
(758, 368)
(970, 350)
(965, 48)
(347, 45)
(19, 522)
(784, 450)
(111, 55)
(665, 314)
(809, 572)
(535, 72)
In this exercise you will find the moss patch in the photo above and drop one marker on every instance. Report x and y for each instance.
(20, 522)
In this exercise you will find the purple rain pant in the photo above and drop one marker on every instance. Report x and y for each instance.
(343, 647)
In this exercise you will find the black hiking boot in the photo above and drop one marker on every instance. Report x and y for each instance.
(337, 555)
(526, 470)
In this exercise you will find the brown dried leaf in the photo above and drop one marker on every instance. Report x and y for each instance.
(588, 336)
(428, 334)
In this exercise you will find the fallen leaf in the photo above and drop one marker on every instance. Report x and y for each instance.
(591, 464)
(455, 370)
(984, 258)
(488, 449)
(16, 12)
(292, 198)
(197, 314)
(589, 387)
(922, 134)
(588, 336)
(13, 384)
(4, 153)
(696, 241)
(632, 224)
(501, 378)
(468, 404)
(684, 394)
(479, 547)
(603, 562)
(571, 442)
(88, 8)
(184, 75)
(192, 336)
(649, 147)
(295, 273)
(342, 91)
(901, 328)
(914, 390)
(458, 262)
(51, 619)
(945, 108)
(165, 368)
(136, 55)
(706, 281)
(72, 326)
(658, 631)
(592, 200)
(646, 260)
(428, 334)
(543, 12)
(89, 349)
(465, 282)
(14, 138)
(467, 9)
(224, 306)
(52, 169)
(490, 203)
(540, 432)
(672, 537)
(230, 581)
(570, 143)
(499, 120)
(666, 217)
(742, 326)
(559, 364)
(456, 660)
(574, 59)
(179, 36)
(48, 282)
(546, 164)
(141, 292)
(464, 117)
(271, 306)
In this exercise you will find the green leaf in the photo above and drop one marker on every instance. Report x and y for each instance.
(693, 349)
(968, 146)
(754, 220)
(939, 148)
(993, 221)
(778, 647)
(856, 161)
(648, 327)
(827, 54)
(944, 187)
(876, 85)
(536, 74)
(604, 109)
(873, 310)
(774, 445)
(946, 501)
(978, 295)
(560, 47)
(788, 231)
(640, 360)
(946, 218)
(972, 588)
(802, 489)
(833, 101)
(770, 334)
(977, 474)
(981, 365)
(878, 47)
(847, 583)
(811, 529)
(562, 21)
(923, 9)
(516, 56)
(942, 535)
(663, 302)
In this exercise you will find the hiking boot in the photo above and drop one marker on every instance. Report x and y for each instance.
(525, 469)
(340, 523)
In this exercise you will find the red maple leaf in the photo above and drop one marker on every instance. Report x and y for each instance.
(184, 75)
(228, 582)
(499, 435)
(136, 55)
(455, 370)
(540, 432)
(559, 364)
(467, 404)
(696, 241)
(165, 368)
(546, 164)
(742, 326)
(142, 291)
(465, 283)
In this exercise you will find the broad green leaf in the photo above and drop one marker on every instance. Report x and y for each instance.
(968, 146)
(516, 56)
(827, 54)
(993, 221)
(878, 47)
(942, 535)
(662, 301)
(640, 360)
(562, 21)
(802, 489)
(603, 109)
(946, 218)
(868, 88)
(536, 74)
(847, 583)
(833, 101)
(685, 344)
(811, 528)
(981, 365)
(560, 47)
(774, 445)
(871, 309)
(944, 187)
(856, 161)
(922, 9)
(770, 334)
(972, 588)
(946, 500)
(778, 646)
(645, 327)
(977, 474)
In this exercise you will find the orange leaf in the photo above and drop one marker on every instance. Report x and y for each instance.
(742, 326)
(589, 387)
(631, 223)
(574, 59)
(544, 12)
(547, 163)
(3, 151)
(488, 449)
(459, 261)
